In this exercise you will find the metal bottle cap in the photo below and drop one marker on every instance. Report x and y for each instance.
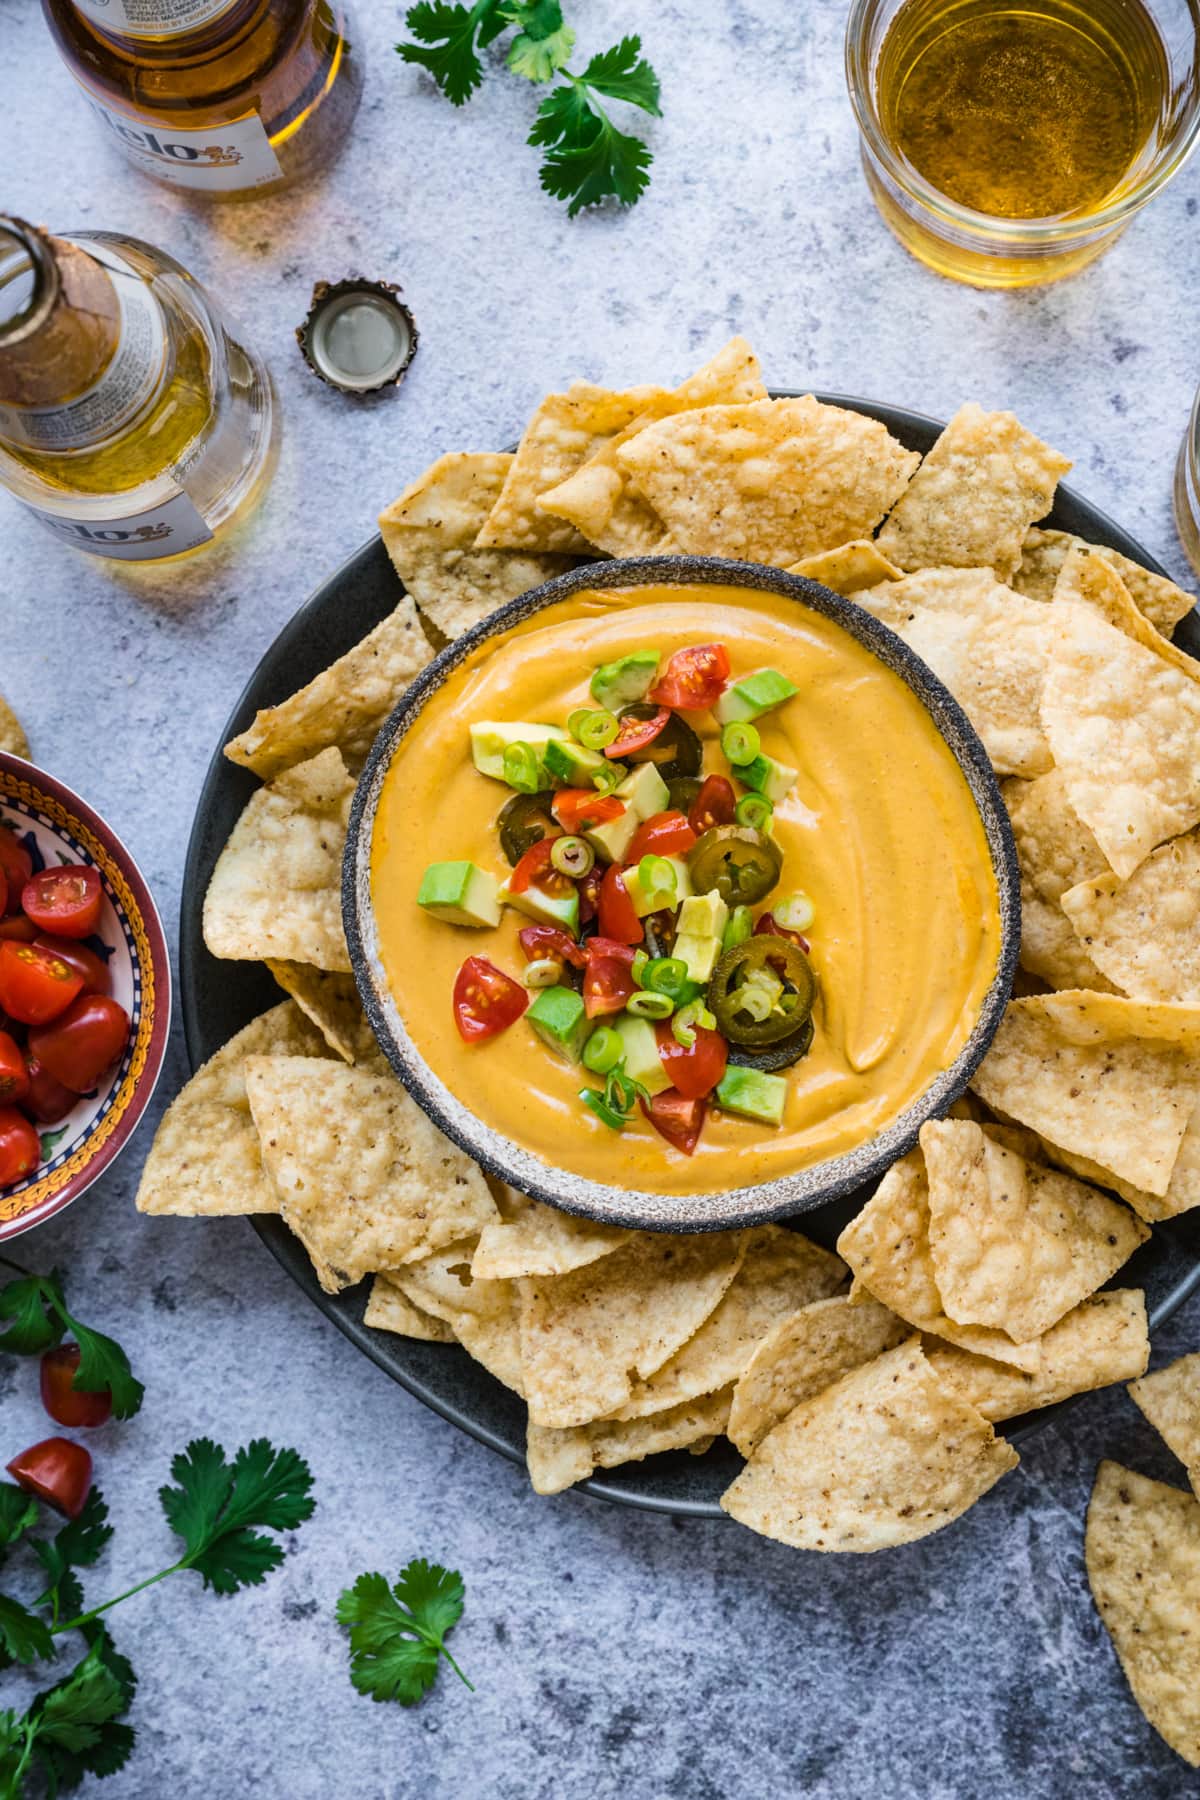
(359, 335)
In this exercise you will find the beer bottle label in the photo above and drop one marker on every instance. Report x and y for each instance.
(162, 530)
(151, 18)
(217, 158)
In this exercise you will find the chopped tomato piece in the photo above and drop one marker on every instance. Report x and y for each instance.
(35, 985)
(635, 734)
(83, 1042)
(535, 869)
(57, 1471)
(47, 1101)
(67, 1404)
(486, 1000)
(665, 834)
(65, 902)
(16, 864)
(577, 809)
(18, 929)
(618, 919)
(20, 1146)
(767, 926)
(677, 1118)
(713, 805)
(693, 679)
(85, 962)
(696, 1071)
(608, 979)
(589, 894)
(549, 940)
(14, 1075)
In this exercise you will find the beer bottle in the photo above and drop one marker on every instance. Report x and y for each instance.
(131, 422)
(225, 97)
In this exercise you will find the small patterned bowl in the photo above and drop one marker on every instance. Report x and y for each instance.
(56, 826)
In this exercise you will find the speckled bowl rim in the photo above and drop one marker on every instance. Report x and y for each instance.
(757, 1202)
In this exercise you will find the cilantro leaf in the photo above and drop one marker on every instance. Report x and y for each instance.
(623, 73)
(216, 1505)
(449, 40)
(18, 1511)
(544, 44)
(397, 1634)
(77, 1725)
(35, 1304)
(77, 1545)
(23, 1636)
(103, 1364)
(588, 157)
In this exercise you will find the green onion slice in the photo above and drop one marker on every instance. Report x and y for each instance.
(690, 1018)
(522, 769)
(796, 913)
(666, 975)
(598, 730)
(648, 1005)
(543, 972)
(754, 810)
(740, 742)
(603, 1050)
(609, 777)
(572, 856)
(738, 928)
(656, 876)
(576, 720)
(595, 1101)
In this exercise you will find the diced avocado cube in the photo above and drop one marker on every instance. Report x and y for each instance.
(547, 909)
(642, 1061)
(558, 1016)
(611, 840)
(753, 696)
(772, 779)
(753, 1094)
(644, 791)
(699, 953)
(570, 762)
(703, 916)
(460, 894)
(648, 900)
(490, 738)
(630, 678)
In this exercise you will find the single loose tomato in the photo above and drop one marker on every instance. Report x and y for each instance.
(665, 834)
(14, 1074)
(550, 940)
(83, 1042)
(693, 679)
(577, 809)
(677, 1118)
(635, 734)
(57, 1471)
(769, 926)
(618, 920)
(695, 1071)
(47, 1100)
(486, 1000)
(65, 902)
(85, 962)
(20, 1146)
(18, 928)
(713, 805)
(535, 869)
(35, 985)
(67, 1404)
(608, 979)
(16, 864)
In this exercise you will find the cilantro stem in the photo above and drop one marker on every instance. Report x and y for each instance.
(18, 1773)
(455, 1667)
(85, 1618)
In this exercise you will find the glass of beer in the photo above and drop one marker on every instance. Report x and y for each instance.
(1009, 142)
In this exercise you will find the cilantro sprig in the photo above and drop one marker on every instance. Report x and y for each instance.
(35, 1309)
(588, 158)
(398, 1632)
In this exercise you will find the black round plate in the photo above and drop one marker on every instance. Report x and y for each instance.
(218, 998)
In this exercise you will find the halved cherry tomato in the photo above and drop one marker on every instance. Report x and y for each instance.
(486, 1000)
(65, 902)
(57, 1471)
(694, 1072)
(14, 1076)
(713, 805)
(85, 962)
(548, 940)
(18, 929)
(67, 1404)
(676, 1118)
(767, 927)
(693, 679)
(589, 894)
(83, 1042)
(618, 920)
(47, 1101)
(577, 809)
(35, 985)
(535, 869)
(635, 734)
(20, 1146)
(16, 864)
(665, 834)
(608, 979)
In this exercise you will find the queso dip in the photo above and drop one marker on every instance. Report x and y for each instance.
(883, 859)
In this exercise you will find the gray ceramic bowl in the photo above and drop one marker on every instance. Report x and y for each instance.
(703, 1211)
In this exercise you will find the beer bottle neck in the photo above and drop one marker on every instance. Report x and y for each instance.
(60, 317)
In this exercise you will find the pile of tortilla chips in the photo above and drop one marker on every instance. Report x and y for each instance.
(865, 1413)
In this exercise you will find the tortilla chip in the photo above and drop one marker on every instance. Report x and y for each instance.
(1145, 932)
(12, 732)
(1014, 1245)
(805, 1353)
(1099, 1076)
(1055, 848)
(331, 1002)
(586, 1335)
(277, 888)
(599, 501)
(1143, 1564)
(563, 433)
(1050, 949)
(205, 1161)
(483, 1315)
(1044, 552)
(988, 645)
(430, 534)
(1170, 1399)
(365, 1181)
(558, 1459)
(883, 1457)
(1122, 724)
(1102, 1340)
(533, 1239)
(781, 1270)
(887, 1246)
(1183, 1189)
(975, 496)
(1087, 579)
(849, 568)
(388, 1309)
(344, 705)
(769, 482)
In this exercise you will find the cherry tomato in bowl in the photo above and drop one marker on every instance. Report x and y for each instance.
(14, 1071)
(18, 928)
(47, 1100)
(20, 1146)
(56, 1471)
(693, 679)
(486, 1000)
(79, 1045)
(676, 1118)
(65, 901)
(16, 864)
(35, 985)
(85, 962)
(67, 1404)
